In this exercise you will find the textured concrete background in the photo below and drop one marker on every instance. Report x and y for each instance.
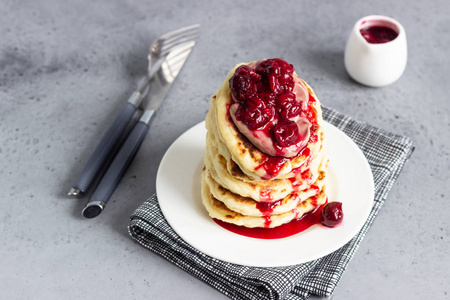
(66, 68)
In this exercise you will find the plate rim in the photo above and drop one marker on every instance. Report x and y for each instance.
(238, 259)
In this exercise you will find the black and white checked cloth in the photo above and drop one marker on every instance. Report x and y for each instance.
(386, 153)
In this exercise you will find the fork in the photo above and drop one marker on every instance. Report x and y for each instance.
(158, 51)
(159, 86)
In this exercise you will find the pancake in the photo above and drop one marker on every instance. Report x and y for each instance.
(261, 191)
(250, 207)
(241, 151)
(218, 210)
(298, 164)
(252, 177)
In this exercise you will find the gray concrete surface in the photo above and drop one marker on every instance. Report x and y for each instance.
(66, 67)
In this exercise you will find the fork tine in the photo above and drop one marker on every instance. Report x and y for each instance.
(180, 31)
(167, 48)
(167, 42)
(175, 61)
(186, 36)
(178, 53)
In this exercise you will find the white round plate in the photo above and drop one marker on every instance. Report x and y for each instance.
(350, 181)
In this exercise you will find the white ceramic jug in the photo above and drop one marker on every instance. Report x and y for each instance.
(376, 64)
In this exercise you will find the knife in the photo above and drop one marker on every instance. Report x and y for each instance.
(104, 150)
(110, 140)
(158, 88)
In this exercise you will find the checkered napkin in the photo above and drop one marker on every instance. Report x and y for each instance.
(386, 153)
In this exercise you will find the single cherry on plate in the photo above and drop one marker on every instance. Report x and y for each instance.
(332, 214)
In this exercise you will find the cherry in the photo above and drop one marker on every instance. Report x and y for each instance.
(246, 70)
(291, 111)
(278, 73)
(332, 214)
(286, 82)
(242, 87)
(243, 83)
(275, 86)
(285, 133)
(268, 98)
(270, 70)
(285, 66)
(285, 99)
(269, 67)
(267, 103)
(286, 105)
(255, 113)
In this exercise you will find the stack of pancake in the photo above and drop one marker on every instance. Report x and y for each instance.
(246, 187)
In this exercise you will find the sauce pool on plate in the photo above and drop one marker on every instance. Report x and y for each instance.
(314, 217)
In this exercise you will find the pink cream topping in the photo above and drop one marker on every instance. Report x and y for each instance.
(271, 106)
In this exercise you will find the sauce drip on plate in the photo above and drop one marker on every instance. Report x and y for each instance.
(285, 230)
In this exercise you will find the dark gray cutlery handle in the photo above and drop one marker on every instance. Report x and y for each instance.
(105, 147)
(116, 170)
